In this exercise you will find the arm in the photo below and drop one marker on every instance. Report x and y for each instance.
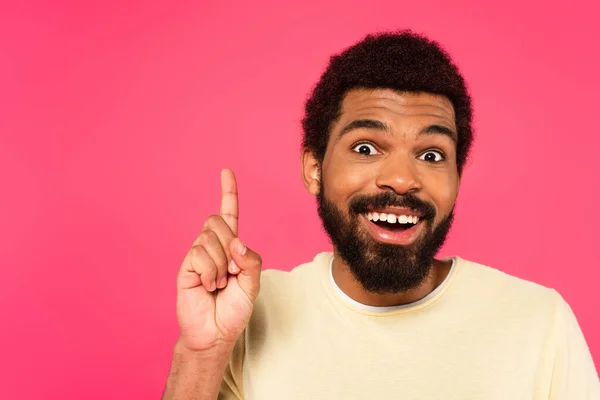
(195, 375)
(217, 285)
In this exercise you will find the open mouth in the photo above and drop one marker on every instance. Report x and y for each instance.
(394, 222)
(400, 227)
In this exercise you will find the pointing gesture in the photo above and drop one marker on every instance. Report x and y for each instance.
(229, 200)
(218, 280)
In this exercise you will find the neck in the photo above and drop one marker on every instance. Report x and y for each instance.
(352, 288)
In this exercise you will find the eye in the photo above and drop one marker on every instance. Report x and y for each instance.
(365, 149)
(432, 156)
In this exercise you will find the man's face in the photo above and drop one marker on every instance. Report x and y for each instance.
(388, 184)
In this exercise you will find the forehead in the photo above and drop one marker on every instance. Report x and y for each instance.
(390, 104)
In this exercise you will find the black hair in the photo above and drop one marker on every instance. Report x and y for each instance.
(401, 61)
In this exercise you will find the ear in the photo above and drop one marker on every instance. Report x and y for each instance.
(311, 172)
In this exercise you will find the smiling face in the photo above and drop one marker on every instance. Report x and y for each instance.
(387, 185)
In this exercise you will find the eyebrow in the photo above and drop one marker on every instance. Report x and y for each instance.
(439, 130)
(376, 125)
(371, 124)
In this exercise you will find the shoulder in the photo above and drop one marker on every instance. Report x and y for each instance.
(504, 292)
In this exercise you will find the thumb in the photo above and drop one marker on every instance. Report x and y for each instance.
(246, 265)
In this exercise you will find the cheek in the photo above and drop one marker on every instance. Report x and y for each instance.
(342, 179)
(444, 194)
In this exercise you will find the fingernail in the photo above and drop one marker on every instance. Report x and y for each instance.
(212, 287)
(222, 282)
(233, 268)
(241, 248)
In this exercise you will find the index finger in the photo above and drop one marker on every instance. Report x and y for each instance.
(229, 200)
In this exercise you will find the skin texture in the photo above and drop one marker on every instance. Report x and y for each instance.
(397, 161)
(217, 284)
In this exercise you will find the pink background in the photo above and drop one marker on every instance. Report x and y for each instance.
(116, 117)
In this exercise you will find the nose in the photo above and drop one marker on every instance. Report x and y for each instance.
(399, 173)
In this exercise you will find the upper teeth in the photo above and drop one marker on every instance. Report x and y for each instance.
(393, 218)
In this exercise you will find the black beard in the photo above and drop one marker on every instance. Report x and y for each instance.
(383, 268)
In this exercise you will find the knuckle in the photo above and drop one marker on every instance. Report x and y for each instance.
(196, 251)
(207, 236)
(209, 274)
(202, 267)
(196, 259)
(221, 265)
(257, 260)
(212, 220)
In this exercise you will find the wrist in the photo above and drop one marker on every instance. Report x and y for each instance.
(218, 351)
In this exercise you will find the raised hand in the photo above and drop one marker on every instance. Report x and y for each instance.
(218, 280)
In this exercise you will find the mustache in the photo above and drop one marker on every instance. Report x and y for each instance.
(362, 204)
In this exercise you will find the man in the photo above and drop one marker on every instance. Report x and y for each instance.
(387, 132)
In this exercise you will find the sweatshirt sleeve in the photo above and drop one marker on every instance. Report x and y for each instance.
(231, 386)
(574, 376)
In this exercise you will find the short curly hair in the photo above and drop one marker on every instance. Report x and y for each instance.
(403, 61)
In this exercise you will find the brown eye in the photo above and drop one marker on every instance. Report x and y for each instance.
(365, 149)
(432, 156)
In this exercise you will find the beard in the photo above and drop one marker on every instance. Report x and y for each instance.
(383, 268)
